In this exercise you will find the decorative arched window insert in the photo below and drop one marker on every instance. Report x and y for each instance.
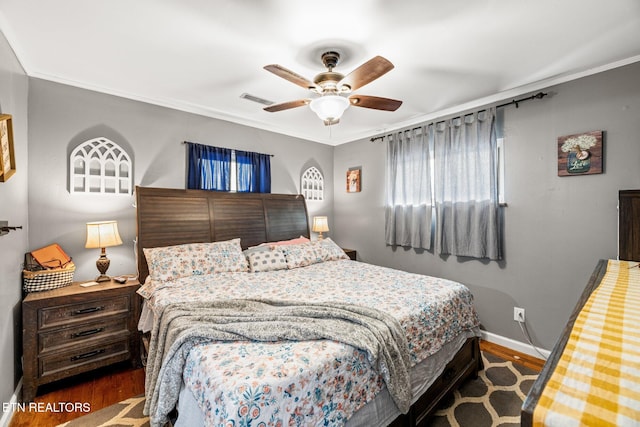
(312, 184)
(100, 166)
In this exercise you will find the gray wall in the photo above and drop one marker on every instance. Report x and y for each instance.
(556, 228)
(13, 208)
(61, 117)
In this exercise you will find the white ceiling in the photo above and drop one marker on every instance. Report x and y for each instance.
(201, 55)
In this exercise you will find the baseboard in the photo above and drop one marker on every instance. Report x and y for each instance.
(6, 416)
(513, 344)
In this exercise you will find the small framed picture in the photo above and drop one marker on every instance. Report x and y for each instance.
(354, 180)
(580, 154)
(7, 155)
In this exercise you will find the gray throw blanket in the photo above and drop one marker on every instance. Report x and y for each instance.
(182, 325)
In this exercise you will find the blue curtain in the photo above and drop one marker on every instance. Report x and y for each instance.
(208, 167)
(254, 172)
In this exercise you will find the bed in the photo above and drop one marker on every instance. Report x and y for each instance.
(326, 380)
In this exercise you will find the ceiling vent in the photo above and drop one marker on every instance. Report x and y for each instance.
(256, 99)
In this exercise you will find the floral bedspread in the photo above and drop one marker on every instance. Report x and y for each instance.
(310, 382)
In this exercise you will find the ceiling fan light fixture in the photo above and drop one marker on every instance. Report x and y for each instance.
(329, 107)
(334, 88)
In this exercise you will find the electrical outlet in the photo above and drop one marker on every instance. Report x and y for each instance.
(518, 314)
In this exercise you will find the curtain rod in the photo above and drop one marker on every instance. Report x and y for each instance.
(515, 102)
(375, 138)
(189, 142)
(538, 95)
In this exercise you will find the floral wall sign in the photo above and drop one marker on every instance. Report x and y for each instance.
(354, 177)
(580, 154)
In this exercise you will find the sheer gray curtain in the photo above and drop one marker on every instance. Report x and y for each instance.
(408, 198)
(467, 207)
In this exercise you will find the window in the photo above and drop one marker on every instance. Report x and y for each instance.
(450, 171)
(312, 184)
(408, 209)
(223, 169)
(100, 166)
(208, 167)
(253, 172)
(467, 208)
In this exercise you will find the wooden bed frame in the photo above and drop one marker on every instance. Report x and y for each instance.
(173, 216)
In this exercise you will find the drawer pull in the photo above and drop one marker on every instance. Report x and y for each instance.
(87, 355)
(87, 333)
(87, 310)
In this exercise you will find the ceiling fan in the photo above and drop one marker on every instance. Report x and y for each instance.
(334, 88)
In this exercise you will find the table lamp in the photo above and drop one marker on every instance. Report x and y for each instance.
(320, 225)
(102, 235)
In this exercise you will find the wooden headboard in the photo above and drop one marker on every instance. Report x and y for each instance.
(168, 217)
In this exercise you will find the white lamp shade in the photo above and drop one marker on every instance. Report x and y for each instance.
(102, 234)
(320, 224)
(329, 107)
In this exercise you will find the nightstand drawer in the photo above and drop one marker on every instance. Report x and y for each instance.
(80, 334)
(69, 314)
(84, 358)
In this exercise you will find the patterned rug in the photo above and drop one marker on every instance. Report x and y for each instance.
(127, 413)
(493, 399)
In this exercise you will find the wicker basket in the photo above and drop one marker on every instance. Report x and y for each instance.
(44, 280)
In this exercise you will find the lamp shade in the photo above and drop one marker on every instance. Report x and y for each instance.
(102, 234)
(329, 107)
(320, 224)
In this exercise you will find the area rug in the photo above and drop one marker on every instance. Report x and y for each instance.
(127, 413)
(494, 399)
(491, 400)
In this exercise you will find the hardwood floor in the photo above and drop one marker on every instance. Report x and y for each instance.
(512, 355)
(96, 390)
(111, 385)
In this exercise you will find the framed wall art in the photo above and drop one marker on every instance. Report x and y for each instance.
(354, 180)
(580, 154)
(100, 166)
(7, 154)
(312, 184)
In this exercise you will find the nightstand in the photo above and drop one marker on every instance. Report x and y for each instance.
(75, 329)
(351, 253)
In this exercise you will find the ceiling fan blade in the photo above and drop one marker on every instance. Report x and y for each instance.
(367, 72)
(375, 102)
(287, 74)
(287, 105)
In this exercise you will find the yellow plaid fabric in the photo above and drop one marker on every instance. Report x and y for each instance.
(597, 379)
